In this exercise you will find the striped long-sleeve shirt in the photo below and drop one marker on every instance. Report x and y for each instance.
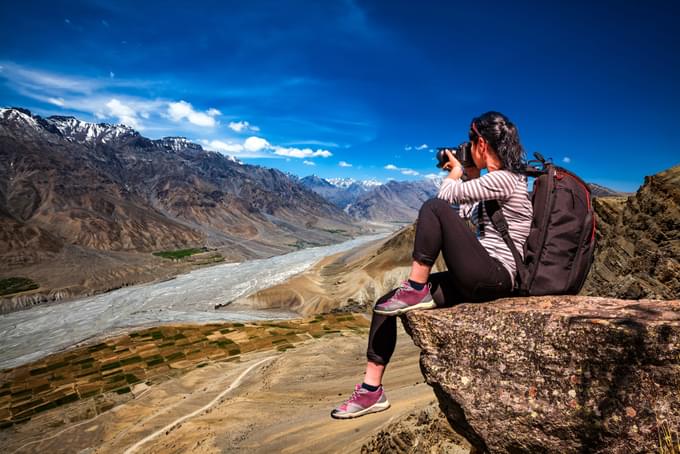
(511, 191)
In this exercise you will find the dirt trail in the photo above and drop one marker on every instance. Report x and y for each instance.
(280, 405)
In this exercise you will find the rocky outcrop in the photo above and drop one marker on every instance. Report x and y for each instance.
(418, 432)
(638, 242)
(555, 374)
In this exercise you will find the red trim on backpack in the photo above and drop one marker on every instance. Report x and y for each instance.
(587, 191)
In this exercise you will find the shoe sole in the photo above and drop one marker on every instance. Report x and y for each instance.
(375, 408)
(403, 310)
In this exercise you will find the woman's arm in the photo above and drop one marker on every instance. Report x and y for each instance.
(497, 185)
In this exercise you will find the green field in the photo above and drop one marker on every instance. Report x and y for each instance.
(338, 231)
(179, 253)
(302, 244)
(16, 285)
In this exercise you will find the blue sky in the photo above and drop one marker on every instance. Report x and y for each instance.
(358, 89)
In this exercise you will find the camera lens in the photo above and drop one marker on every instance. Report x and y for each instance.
(441, 157)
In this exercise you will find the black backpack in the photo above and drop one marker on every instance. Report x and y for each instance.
(560, 247)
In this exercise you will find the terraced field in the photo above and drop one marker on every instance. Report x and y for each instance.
(140, 358)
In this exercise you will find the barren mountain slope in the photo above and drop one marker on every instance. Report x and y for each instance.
(638, 253)
(86, 195)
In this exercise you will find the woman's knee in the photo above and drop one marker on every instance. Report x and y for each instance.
(435, 203)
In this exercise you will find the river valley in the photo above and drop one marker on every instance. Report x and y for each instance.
(31, 334)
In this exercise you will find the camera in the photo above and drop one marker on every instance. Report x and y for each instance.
(462, 152)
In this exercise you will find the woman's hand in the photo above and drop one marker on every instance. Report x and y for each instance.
(453, 166)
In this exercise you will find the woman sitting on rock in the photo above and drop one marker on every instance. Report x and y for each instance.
(480, 268)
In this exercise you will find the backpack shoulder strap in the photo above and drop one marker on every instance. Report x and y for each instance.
(493, 209)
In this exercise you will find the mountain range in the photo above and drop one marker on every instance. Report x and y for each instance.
(394, 201)
(82, 205)
(70, 188)
(602, 191)
(637, 256)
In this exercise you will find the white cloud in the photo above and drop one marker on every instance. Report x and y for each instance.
(181, 110)
(56, 101)
(254, 143)
(241, 126)
(128, 110)
(124, 113)
(408, 147)
(319, 143)
(31, 82)
(218, 145)
(566, 159)
(301, 153)
(102, 97)
(95, 96)
(344, 164)
(432, 176)
(258, 147)
(421, 147)
(403, 170)
(308, 163)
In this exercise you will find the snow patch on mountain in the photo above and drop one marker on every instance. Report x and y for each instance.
(76, 130)
(20, 117)
(345, 183)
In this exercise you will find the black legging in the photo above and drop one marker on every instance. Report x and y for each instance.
(472, 276)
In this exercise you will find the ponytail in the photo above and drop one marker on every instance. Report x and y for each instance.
(503, 137)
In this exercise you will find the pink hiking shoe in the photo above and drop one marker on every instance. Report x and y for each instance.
(405, 299)
(361, 402)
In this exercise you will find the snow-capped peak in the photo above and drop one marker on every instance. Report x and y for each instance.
(345, 183)
(177, 144)
(81, 131)
(370, 183)
(341, 182)
(19, 116)
(435, 179)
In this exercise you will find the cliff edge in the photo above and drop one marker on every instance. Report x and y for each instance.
(555, 374)
(638, 242)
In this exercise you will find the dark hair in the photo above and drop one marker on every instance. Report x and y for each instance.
(503, 137)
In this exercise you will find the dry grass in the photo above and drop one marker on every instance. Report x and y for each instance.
(669, 439)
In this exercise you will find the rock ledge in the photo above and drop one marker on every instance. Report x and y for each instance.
(555, 374)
